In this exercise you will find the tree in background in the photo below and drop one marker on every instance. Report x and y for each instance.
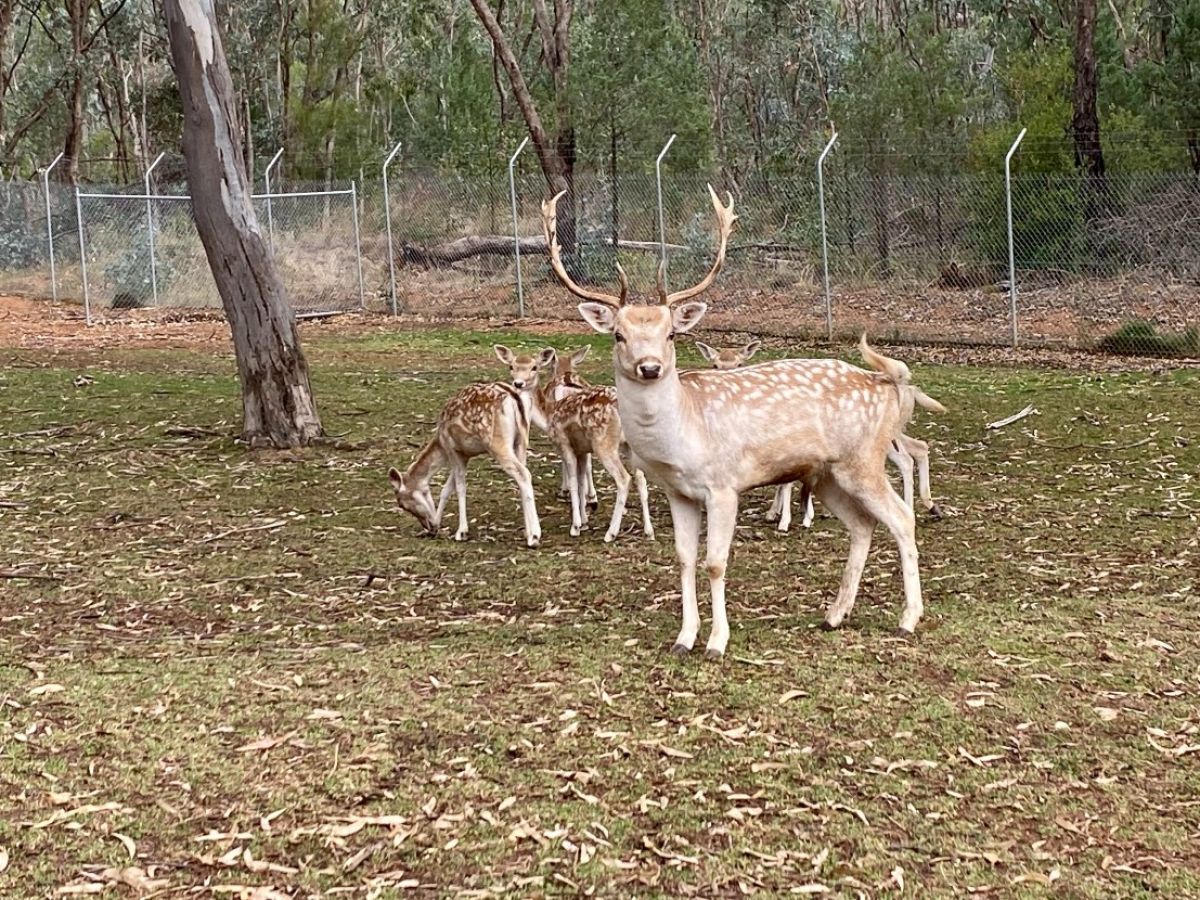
(277, 401)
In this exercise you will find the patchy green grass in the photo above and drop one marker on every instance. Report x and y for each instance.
(222, 670)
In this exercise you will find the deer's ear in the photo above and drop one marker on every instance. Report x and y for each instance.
(395, 478)
(503, 354)
(750, 349)
(547, 357)
(686, 316)
(600, 316)
(579, 355)
(706, 351)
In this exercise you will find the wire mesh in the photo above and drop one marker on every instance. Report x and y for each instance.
(919, 254)
(312, 237)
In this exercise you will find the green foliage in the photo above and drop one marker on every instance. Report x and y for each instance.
(1140, 338)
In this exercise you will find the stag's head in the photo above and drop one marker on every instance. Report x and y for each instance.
(524, 369)
(415, 499)
(729, 358)
(643, 335)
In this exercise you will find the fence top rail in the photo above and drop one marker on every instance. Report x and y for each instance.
(92, 195)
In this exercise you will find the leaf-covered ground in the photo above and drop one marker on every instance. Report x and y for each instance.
(233, 674)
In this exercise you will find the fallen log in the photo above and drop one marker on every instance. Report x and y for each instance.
(441, 255)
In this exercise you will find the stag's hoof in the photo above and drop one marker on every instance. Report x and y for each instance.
(649, 532)
(533, 543)
(678, 649)
(827, 626)
(460, 535)
(713, 653)
(935, 513)
(609, 538)
(593, 504)
(903, 632)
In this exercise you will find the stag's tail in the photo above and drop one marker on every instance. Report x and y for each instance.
(898, 373)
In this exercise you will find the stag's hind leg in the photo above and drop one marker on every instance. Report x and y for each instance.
(861, 526)
(884, 504)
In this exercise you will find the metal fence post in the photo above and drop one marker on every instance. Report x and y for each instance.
(512, 193)
(150, 228)
(270, 219)
(362, 301)
(50, 224)
(825, 235)
(662, 231)
(87, 306)
(387, 218)
(1012, 265)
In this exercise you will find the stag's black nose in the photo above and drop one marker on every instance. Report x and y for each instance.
(518, 384)
(649, 371)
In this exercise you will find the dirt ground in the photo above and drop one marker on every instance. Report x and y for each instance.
(29, 323)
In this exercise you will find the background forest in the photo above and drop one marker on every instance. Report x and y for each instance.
(751, 86)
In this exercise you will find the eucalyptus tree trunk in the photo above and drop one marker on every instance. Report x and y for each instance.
(277, 399)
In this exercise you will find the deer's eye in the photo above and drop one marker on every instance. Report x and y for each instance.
(535, 368)
(618, 337)
(671, 336)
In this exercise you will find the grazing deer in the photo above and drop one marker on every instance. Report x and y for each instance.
(706, 436)
(582, 422)
(526, 373)
(479, 419)
(904, 451)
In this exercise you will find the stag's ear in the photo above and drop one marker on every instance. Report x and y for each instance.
(750, 349)
(600, 316)
(685, 316)
(503, 354)
(580, 355)
(395, 478)
(706, 351)
(547, 357)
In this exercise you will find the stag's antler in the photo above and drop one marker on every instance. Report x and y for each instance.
(549, 226)
(725, 220)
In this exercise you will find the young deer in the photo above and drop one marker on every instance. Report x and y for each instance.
(904, 451)
(582, 422)
(706, 436)
(479, 419)
(526, 372)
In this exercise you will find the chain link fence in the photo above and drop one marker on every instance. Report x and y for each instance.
(1111, 265)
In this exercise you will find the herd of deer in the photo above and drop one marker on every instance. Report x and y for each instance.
(705, 437)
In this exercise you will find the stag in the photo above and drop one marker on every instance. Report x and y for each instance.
(706, 436)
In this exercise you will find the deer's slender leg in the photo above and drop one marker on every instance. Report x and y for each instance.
(685, 521)
(773, 510)
(593, 502)
(904, 462)
(571, 465)
(722, 520)
(809, 513)
(644, 497)
(611, 460)
(783, 495)
(878, 498)
(459, 468)
(447, 489)
(520, 475)
(861, 526)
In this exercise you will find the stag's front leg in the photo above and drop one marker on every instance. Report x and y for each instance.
(722, 520)
(685, 522)
(644, 496)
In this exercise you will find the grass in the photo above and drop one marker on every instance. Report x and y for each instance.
(247, 671)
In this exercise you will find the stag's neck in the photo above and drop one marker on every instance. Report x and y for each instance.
(654, 418)
(430, 460)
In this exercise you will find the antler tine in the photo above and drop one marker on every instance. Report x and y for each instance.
(725, 219)
(660, 281)
(624, 284)
(554, 249)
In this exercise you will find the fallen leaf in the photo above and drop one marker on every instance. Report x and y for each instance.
(127, 843)
(3, 859)
(898, 877)
(1107, 713)
(46, 689)
(323, 715)
(265, 743)
(792, 695)
(813, 888)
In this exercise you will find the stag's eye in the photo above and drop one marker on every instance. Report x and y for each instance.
(618, 337)
(535, 368)
(671, 336)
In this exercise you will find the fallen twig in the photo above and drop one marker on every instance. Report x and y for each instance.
(1016, 417)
